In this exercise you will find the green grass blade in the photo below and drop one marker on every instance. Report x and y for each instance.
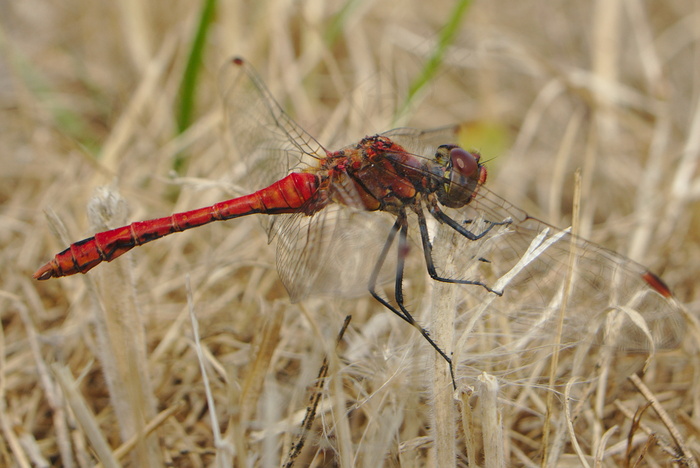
(339, 20)
(435, 61)
(189, 79)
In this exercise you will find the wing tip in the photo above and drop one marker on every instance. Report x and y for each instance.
(657, 284)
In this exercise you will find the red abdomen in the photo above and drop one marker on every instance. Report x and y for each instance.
(284, 196)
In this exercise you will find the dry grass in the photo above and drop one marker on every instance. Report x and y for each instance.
(104, 368)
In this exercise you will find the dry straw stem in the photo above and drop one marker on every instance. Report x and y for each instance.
(554, 362)
(442, 326)
(688, 458)
(90, 95)
(491, 421)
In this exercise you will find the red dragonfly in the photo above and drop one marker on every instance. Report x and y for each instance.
(515, 266)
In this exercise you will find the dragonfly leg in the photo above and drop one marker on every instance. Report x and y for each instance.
(428, 248)
(380, 262)
(492, 224)
(443, 218)
(401, 227)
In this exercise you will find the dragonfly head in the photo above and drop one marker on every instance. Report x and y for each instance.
(462, 176)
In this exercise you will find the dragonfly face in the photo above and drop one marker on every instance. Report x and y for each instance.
(462, 176)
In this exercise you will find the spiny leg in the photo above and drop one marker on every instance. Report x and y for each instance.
(401, 226)
(443, 218)
(378, 266)
(428, 248)
(398, 295)
(469, 221)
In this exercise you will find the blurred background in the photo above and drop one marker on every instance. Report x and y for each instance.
(112, 112)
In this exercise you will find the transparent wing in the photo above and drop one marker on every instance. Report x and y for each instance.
(328, 252)
(423, 143)
(271, 143)
(332, 252)
(266, 138)
(543, 272)
(546, 274)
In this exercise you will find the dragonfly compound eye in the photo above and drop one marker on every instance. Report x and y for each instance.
(461, 178)
(464, 162)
